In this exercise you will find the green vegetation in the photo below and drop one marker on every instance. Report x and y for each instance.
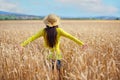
(28, 17)
(3, 17)
(14, 17)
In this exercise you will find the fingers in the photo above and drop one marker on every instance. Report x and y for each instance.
(20, 48)
(84, 47)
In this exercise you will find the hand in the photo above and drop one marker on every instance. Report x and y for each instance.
(20, 48)
(85, 46)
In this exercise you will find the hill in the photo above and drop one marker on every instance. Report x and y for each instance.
(17, 16)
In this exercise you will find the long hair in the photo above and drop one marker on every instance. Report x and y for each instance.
(51, 35)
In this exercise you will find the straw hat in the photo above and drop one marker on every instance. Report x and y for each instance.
(51, 20)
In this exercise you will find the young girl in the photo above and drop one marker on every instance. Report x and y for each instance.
(51, 35)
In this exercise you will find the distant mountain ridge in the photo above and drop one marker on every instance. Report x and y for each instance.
(14, 16)
(2, 12)
(12, 13)
(17, 16)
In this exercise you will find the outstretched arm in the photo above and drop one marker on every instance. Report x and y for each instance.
(67, 35)
(32, 38)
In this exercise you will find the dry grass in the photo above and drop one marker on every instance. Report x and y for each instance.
(101, 61)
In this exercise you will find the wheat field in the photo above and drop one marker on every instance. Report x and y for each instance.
(100, 61)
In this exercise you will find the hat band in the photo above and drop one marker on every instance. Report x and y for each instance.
(51, 26)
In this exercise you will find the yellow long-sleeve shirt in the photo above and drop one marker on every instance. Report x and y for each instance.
(60, 32)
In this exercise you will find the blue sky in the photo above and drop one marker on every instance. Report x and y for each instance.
(63, 8)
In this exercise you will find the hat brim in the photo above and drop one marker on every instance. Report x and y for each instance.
(55, 23)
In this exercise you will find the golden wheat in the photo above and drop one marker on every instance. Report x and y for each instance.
(101, 61)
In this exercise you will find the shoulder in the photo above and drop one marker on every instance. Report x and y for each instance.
(61, 32)
(41, 31)
(60, 29)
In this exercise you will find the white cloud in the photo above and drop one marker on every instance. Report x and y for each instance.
(8, 6)
(96, 6)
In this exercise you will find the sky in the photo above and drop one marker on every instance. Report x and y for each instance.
(63, 8)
